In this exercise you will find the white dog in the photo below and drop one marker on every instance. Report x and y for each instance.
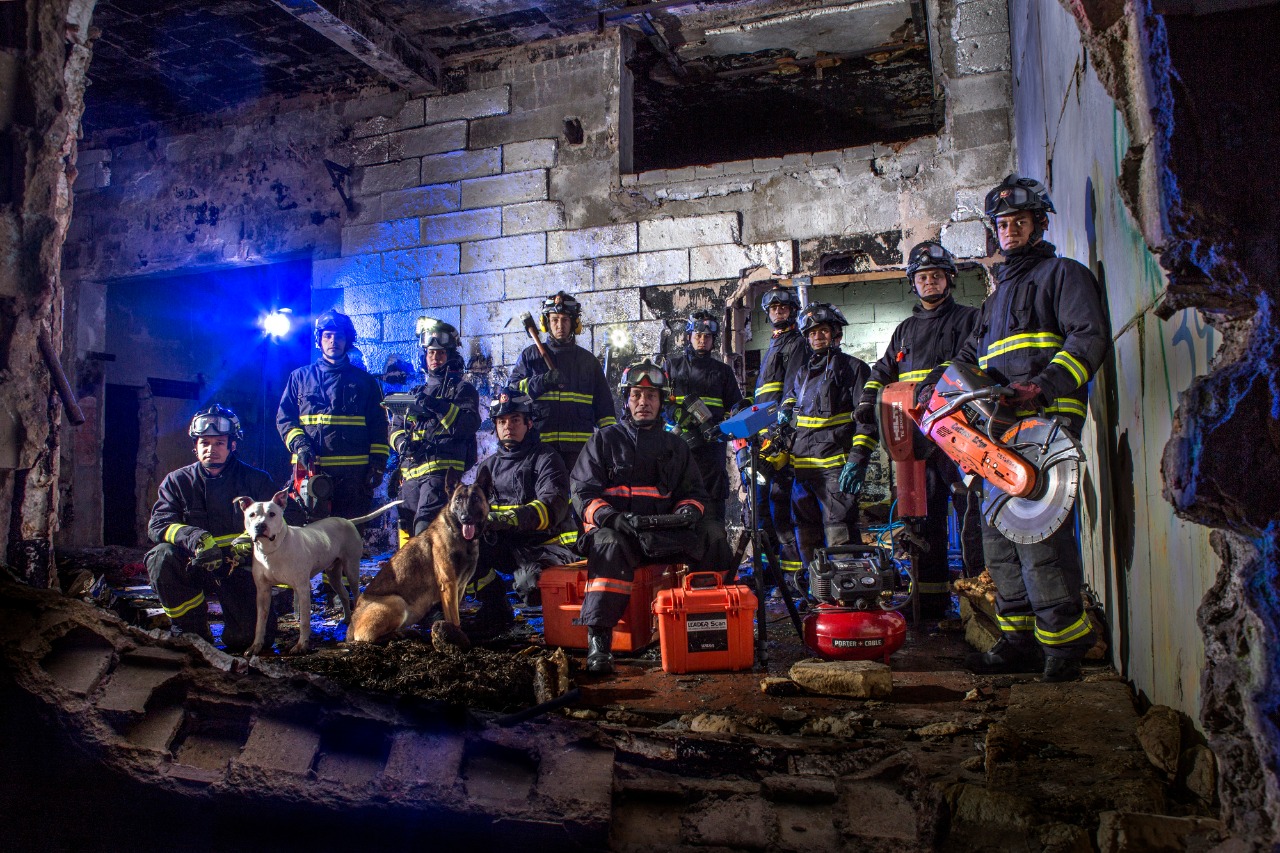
(292, 556)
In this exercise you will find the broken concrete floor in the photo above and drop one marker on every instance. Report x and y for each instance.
(103, 718)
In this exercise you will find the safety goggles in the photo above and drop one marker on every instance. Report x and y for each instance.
(702, 325)
(440, 339)
(644, 375)
(1017, 198)
(779, 296)
(212, 425)
(934, 252)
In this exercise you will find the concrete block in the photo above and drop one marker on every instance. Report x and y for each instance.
(978, 92)
(737, 823)
(532, 216)
(416, 263)
(875, 810)
(380, 236)
(858, 153)
(766, 164)
(421, 201)
(642, 270)
(466, 105)
(387, 177)
(534, 154)
(985, 127)
(980, 18)
(965, 239)
(826, 158)
(92, 176)
(456, 165)
(860, 679)
(371, 150)
(100, 155)
(368, 328)
(737, 167)
(805, 827)
(500, 317)
(380, 298)
(573, 276)
(982, 55)
(410, 115)
(511, 188)
(1131, 832)
(462, 226)
(629, 180)
(688, 231)
(713, 171)
(653, 176)
(346, 272)
(418, 758)
(281, 745)
(591, 242)
(441, 290)
(504, 253)
(432, 139)
(729, 260)
(403, 325)
(792, 162)
(78, 669)
(581, 774)
(677, 175)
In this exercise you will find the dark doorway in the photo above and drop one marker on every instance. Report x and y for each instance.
(119, 467)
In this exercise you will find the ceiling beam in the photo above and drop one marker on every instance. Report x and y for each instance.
(356, 28)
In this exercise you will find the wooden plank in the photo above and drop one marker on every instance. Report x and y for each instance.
(850, 278)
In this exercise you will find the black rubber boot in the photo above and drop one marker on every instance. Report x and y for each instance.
(935, 605)
(1005, 658)
(600, 651)
(1060, 669)
(494, 615)
(193, 624)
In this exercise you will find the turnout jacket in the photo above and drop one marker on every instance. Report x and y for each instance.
(191, 503)
(788, 351)
(824, 393)
(705, 377)
(334, 408)
(438, 442)
(566, 417)
(1044, 324)
(920, 343)
(531, 480)
(627, 469)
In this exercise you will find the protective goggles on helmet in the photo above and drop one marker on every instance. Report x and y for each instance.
(218, 421)
(702, 323)
(561, 303)
(818, 313)
(780, 296)
(930, 256)
(1018, 194)
(646, 374)
(437, 335)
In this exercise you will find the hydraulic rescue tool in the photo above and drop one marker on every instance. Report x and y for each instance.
(1030, 463)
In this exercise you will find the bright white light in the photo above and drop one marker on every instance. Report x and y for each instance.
(277, 324)
(619, 338)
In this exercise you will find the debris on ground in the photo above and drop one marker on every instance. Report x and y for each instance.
(978, 616)
(857, 679)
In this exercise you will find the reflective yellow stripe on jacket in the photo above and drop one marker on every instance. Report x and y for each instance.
(816, 462)
(808, 422)
(567, 397)
(567, 437)
(332, 420)
(1026, 340)
(426, 468)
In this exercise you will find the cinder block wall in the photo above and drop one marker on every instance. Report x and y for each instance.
(473, 206)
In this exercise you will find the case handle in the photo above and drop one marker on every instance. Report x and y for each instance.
(703, 580)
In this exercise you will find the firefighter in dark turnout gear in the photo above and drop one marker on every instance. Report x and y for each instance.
(1043, 333)
(631, 469)
(438, 431)
(571, 401)
(820, 403)
(696, 372)
(194, 524)
(529, 523)
(788, 352)
(929, 337)
(331, 419)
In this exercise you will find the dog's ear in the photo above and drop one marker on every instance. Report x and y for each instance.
(484, 481)
(242, 503)
(280, 498)
(452, 479)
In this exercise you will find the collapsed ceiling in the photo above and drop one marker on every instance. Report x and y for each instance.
(790, 74)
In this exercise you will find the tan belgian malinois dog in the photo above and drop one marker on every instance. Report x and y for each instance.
(434, 566)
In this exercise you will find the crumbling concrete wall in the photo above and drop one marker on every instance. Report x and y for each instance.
(44, 51)
(1188, 171)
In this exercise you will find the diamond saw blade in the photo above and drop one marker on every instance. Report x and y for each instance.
(1056, 455)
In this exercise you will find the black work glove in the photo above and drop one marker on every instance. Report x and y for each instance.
(373, 478)
(1026, 395)
(208, 555)
(865, 414)
(544, 382)
(304, 455)
(622, 522)
(427, 406)
(689, 513)
(923, 393)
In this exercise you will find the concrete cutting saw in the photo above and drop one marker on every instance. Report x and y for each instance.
(1031, 464)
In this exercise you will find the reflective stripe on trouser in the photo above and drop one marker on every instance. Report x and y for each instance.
(775, 517)
(1038, 591)
(523, 562)
(351, 497)
(182, 591)
(612, 558)
(423, 498)
(823, 513)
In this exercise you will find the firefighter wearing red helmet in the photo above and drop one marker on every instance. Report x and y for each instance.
(199, 534)
(820, 403)
(631, 469)
(1043, 333)
(571, 400)
(330, 417)
(933, 333)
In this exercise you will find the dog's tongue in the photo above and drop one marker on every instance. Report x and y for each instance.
(468, 531)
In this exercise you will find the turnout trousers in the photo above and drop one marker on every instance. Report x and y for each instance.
(182, 589)
(523, 562)
(775, 517)
(823, 513)
(423, 498)
(932, 570)
(1038, 592)
(612, 558)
